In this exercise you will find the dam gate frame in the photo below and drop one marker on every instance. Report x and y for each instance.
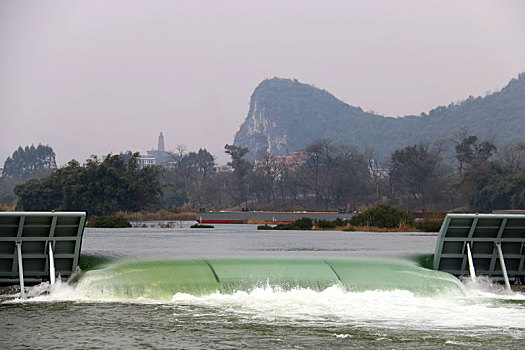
(36, 246)
(492, 245)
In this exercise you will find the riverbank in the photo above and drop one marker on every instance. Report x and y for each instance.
(402, 229)
(307, 224)
(161, 215)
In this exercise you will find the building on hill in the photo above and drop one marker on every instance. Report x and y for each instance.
(145, 161)
(222, 168)
(161, 157)
(157, 156)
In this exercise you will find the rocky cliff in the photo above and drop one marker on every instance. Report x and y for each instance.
(286, 115)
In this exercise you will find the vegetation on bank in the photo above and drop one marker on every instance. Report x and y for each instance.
(429, 224)
(201, 226)
(382, 216)
(160, 215)
(108, 222)
(378, 218)
(299, 224)
(98, 187)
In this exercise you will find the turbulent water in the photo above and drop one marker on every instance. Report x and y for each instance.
(235, 287)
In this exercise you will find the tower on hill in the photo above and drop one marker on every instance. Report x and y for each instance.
(161, 142)
(157, 156)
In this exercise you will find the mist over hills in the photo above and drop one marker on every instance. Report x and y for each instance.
(286, 115)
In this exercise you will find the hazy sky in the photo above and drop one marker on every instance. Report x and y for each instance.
(93, 77)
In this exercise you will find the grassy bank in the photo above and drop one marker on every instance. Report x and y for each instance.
(400, 228)
(382, 218)
(108, 222)
(161, 215)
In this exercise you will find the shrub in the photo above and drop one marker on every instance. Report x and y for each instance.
(201, 226)
(299, 224)
(383, 216)
(429, 225)
(165, 214)
(302, 224)
(265, 227)
(339, 222)
(108, 222)
(288, 226)
(325, 224)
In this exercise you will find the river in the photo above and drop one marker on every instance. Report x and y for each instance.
(236, 287)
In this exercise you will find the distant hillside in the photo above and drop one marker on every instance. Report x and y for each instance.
(286, 115)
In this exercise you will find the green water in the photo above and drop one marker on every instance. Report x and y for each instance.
(161, 279)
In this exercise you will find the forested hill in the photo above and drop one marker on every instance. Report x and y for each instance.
(286, 115)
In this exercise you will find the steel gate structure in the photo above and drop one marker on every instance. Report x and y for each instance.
(492, 245)
(38, 246)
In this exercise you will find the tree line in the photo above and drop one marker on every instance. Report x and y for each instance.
(461, 173)
(98, 187)
(26, 163)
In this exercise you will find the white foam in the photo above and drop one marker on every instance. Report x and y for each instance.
(45, 292)
(485, 306)
(378, 308)
(483, 287)
(343, 336)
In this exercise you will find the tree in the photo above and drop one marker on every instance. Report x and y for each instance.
(415, 171)
(237, 153)
(335, 176)
(378, 176)
(241, 171)
(512, 156)
(29, 162)
(320, 156)
(100, 188)
(493, 186)
(382, 216)
(266, 174)
(471, 152)
(204, 162)
(7, 196)
(350, 178)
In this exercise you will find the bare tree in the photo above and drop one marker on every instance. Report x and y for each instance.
(512, 156)
(416, 172)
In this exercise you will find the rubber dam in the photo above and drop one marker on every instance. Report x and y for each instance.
(161, 279)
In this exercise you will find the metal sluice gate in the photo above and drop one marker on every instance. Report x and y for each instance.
(38, 246)
(492, 245)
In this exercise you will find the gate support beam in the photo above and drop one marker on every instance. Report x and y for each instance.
(502, 264)
(471, 263)
(20, 270)
(51, 265)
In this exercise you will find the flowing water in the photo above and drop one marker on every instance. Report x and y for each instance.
(236, 287)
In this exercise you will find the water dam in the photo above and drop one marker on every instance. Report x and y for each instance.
(235, 287)
(162, 279)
